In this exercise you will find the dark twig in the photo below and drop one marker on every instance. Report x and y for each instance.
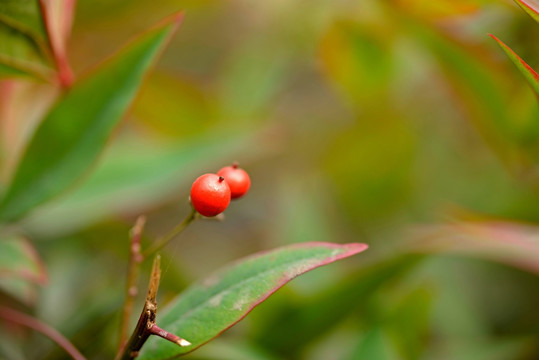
(146, 324)
(17, 317)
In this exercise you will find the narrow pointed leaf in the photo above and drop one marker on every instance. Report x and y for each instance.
(531, 7)
(208, 308)
(74, 132)
(137, 173)
(525, 69)
(20, 55)
(24, 16)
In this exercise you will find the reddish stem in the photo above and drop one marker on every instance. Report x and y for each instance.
(156, 330)
(17, 317)
(57, 41)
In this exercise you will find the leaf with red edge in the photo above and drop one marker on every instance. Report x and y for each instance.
(212, 306)
(531, 7)
(19, 258)
(506, 242)
(21, 269)
(23, 40)
(62, 150)
(58, 19)
(525, 69)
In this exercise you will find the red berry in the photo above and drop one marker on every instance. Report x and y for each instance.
(210, 194)
(237, 179)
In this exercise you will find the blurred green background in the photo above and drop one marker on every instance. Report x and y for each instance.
(372, 121)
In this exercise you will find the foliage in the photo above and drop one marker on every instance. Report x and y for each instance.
(396, 123)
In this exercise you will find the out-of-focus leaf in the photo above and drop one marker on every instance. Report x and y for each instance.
(375, 344)
(498, 348)
(440, 8)
(207, 309)
(475, 86)
(58, 16)
(251, 78)
(525, 69)
(21, 289)
(10, 349)
(409, 322)
(172, 106)
(229, 349)
(18, 258)
(509, 243)
(358, 60)
(20, 55)
(73, 133)
(24, 16)
(291, 330)
(531, 7)
(137, 173)
(370, 166)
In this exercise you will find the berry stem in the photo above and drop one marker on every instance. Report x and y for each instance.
(163, 241)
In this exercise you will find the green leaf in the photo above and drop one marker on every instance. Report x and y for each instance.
(18, 258)
(71, 136)
(358, 59)
(302, 323)
(137, 173)
(483, 95)
(21, 289)
(375, 345)
(530, 7)
(20, 55)
(25, 16)
(21, 269)
(525, 69)
(226, 349)
(408, 325)
(208, 308)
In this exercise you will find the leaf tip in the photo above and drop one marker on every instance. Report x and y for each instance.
(495, 38)
(183, 343)
(355, 248)
(175, 19)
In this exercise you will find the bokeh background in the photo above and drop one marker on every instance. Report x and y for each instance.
(397, 123)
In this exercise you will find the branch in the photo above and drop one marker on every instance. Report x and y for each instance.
(17, 317)
(133, 270)
(146, 324)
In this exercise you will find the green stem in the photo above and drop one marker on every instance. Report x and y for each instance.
(162, 242)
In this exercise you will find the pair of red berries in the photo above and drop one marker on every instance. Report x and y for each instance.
(211, 193)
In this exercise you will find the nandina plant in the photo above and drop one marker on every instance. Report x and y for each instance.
(70, 138)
